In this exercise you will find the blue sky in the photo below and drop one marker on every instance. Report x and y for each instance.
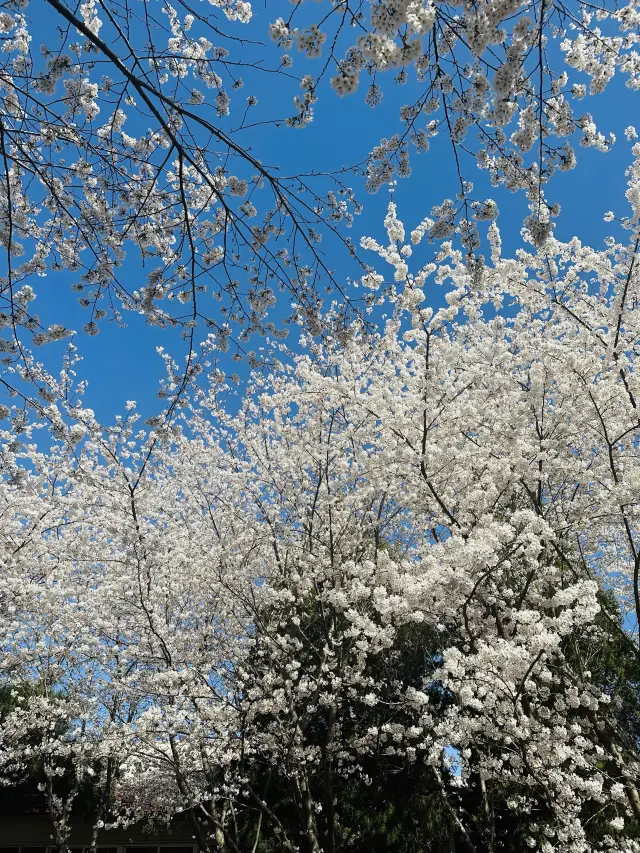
(121, 364)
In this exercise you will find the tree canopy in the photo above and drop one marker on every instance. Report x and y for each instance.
(385, 595)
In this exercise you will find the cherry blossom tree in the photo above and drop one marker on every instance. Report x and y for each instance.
(504, 81)
(414, 552)
(116, 144)
(120, 166)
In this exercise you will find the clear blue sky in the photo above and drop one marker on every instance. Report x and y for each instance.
(122, 364)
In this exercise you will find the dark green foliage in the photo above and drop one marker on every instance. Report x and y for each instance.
(389, 804)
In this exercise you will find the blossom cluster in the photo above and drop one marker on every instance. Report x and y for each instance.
(207, 597)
